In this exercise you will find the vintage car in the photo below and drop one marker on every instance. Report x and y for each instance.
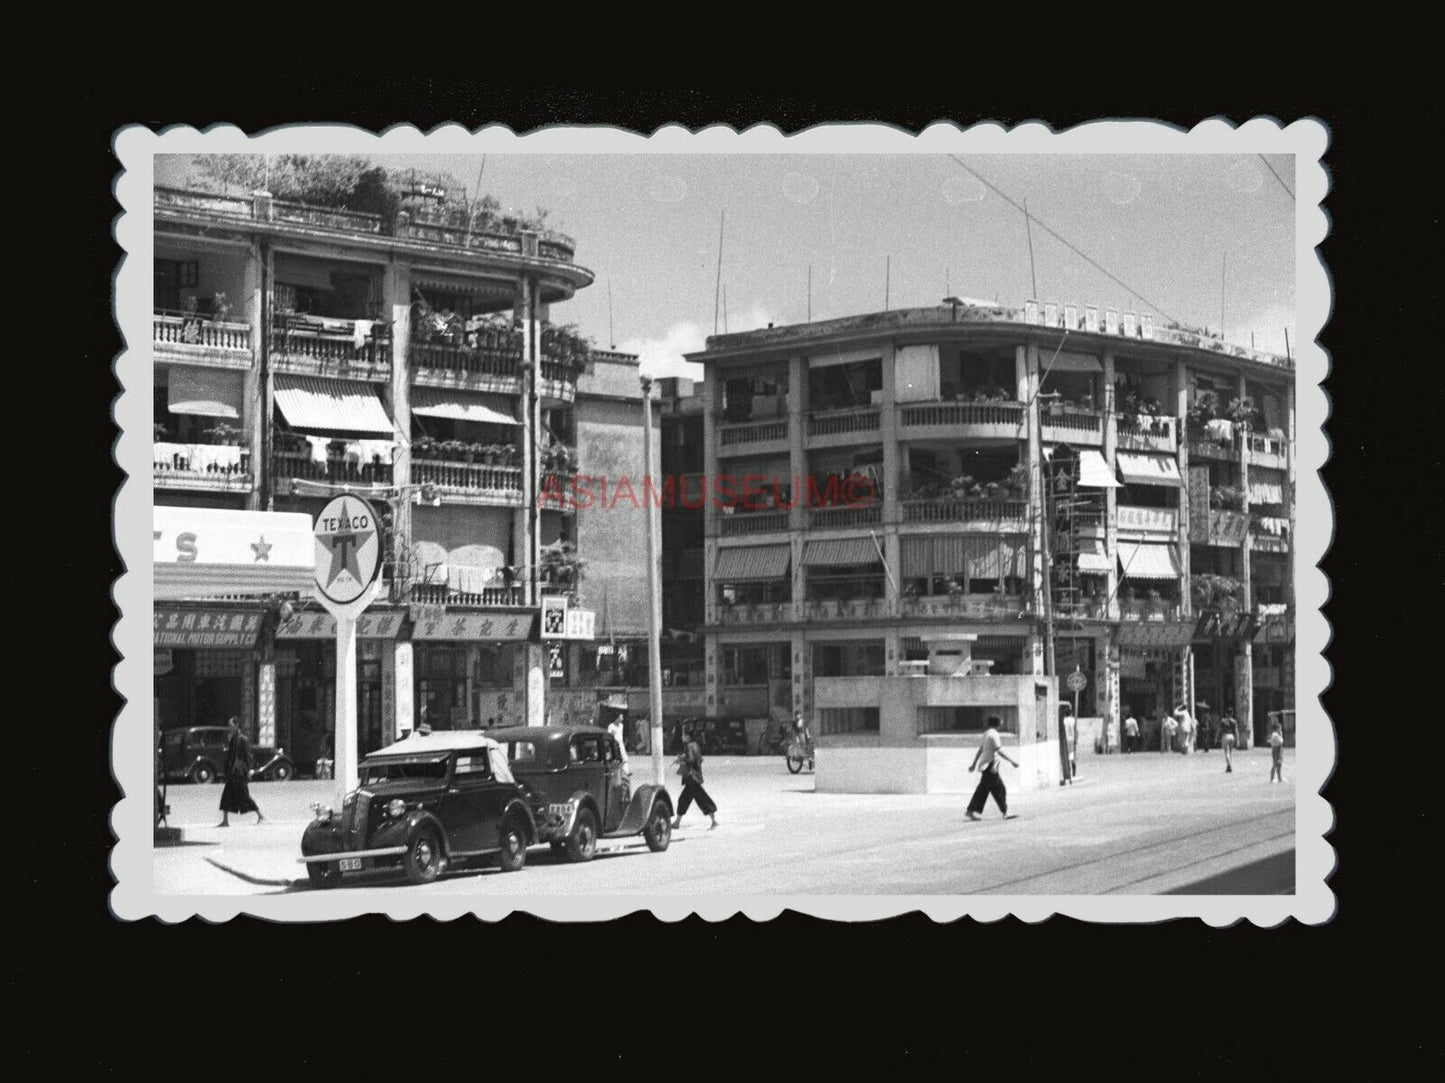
(581, 791)
(426, 802)
(198, 754)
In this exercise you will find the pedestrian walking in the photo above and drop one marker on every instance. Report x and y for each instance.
(615, 728)
(1168, 729)
(1276, 752)
(1228, 738)
(1186, 729)
(689, 766)
(990, 751)
(1131, 734)
(236, 794)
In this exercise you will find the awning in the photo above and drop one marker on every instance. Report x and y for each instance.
(753, 562)
(207, 392)
(1068, 362)
(331, 406)
(214, 552)
(840, 552)
(1092, 558)
(462, 406)
(1139, 469)
(997, 559)
(1094, 471)
(1148, 561)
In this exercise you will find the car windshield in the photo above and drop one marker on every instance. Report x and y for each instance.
(521, 753)
(434, 767)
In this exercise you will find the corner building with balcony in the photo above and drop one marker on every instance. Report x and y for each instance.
(302, 351)
(1079, 494)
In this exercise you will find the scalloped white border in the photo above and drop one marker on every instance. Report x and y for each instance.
(134, 896)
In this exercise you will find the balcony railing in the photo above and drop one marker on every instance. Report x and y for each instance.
(951, 510)
(311, 346)
(842, 518)
(1148, 520)
(754, 432)
(758, 522)
(755, 613)
(497, 362)
(1149, 609)
(846, 609)
(1139, 432)
(217, 467)
(1003, 420)
(1267, 451)
(441, 594)
(1073, 426)
(867, 419)
(300, 465)
(1200, 448)
(470, 479)
(189, 334)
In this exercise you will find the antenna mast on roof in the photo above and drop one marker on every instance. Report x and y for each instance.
(722, 219)
(472, 206)
(1029, 229)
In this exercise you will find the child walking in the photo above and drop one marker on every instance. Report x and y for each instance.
(1276, 751)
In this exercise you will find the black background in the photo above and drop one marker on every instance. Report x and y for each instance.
(1169, 1001)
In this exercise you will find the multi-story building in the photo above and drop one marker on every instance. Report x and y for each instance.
(683, 609)
(1083, 494)
(302, 351)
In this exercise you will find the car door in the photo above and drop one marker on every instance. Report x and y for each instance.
(617, 785)
(478, 799)
(587, 770)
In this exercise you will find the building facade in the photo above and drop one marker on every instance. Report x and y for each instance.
(1085, 493)
(302, 351)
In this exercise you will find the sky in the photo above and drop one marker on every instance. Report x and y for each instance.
(1187, 231)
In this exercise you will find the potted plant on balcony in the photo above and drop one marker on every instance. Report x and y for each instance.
(453, 451)
(423, 448)
(224, 433)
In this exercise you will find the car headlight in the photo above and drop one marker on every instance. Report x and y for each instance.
(323, 812)
(396, 809)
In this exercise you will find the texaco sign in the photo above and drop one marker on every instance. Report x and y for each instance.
(348, 549)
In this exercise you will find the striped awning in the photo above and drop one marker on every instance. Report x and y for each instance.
(1148, 561)
(752, 563)
(1068, 362)
(1094, 471)
(840, 552)
(331, 406)
(462, 406)
(923, 558)
(997, 558)
(207, 392)
(1092, 558)
(1139, 469)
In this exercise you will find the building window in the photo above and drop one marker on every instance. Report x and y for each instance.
(836, 720)
(862, 658)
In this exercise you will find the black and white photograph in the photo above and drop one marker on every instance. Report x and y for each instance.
(853, 522)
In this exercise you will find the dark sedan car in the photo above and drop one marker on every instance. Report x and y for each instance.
(428, 801)
(581, 789)
(198, 754)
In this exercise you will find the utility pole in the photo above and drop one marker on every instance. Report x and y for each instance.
(1029, 229)
(717, 289)
(654, 591)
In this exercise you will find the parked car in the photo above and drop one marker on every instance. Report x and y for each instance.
(198, 754)
(715, 736)
(426, 802)
(581, 791)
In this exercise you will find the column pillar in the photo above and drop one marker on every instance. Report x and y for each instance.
(1034, 656)
(712, 673)
(798, 654)
(266, 703)
(797, 437)
(1111, 496)
(1026, 365)
(1113, 716)
(1244, 660)
(396, 304)
(403, 689)
(534, 682)
(888, 430)
(255, 399)
(1180, 382)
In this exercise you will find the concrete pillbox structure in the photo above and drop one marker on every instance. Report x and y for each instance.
(927, 722)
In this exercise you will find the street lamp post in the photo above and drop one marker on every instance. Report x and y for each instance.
(654, 590)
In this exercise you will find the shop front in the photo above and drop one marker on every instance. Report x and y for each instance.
(470, 668)
(205, 664)
(305, 681)
(1154, 673)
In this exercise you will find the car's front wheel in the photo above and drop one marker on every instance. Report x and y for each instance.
(658, 831)
(582, 842)
(203, 772)
(424, 858)
(512, 846)
(282, 772)
(323, 874)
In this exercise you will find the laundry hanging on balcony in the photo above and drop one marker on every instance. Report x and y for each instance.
(1265, 492)
(462, 406)
(1141, 469)
(753, 563)
(205, 392)
(320, 404)
(1148, 561)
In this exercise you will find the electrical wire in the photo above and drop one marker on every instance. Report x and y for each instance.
(1277, 177)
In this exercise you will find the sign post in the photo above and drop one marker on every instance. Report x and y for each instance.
(348, 562)
(1076, 682)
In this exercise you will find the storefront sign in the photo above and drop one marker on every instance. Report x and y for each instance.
(581, 624)
(348, 549)
(1275, 629)
(554, 617)
(556, 666)
(206, 627)
(214, 550)
(1216, 625)
(1169, 633)
(323, 626)
(474, 626)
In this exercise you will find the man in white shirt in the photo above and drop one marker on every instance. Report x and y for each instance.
(1186, 729)
(1131, 734)
(990, 751)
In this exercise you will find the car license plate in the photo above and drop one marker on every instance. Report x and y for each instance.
(560, 811)
(351, 864)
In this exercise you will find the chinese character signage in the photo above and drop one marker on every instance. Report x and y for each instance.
(581, 624)
(474, 626)
(554, 617)
(206, 627)
(323, 626)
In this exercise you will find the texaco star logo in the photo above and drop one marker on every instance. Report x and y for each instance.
(348, 549)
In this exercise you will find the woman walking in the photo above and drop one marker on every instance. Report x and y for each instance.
(236, 796)
(689, 766)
